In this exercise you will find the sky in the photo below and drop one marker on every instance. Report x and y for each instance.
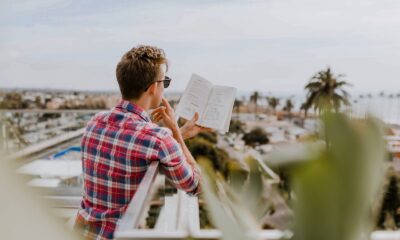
(263, 45)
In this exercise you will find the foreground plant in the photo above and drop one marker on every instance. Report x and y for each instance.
(336, 190)
(335, 181)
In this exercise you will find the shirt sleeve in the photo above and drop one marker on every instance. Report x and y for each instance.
(175, 167)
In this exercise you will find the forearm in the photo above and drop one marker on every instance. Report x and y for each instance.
(188, 155)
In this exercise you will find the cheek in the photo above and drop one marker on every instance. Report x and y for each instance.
(159, 97)
(161, 93)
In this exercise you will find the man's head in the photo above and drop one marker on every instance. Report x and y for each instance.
(140, 73)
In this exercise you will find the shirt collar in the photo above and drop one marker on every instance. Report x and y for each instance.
(127, 106)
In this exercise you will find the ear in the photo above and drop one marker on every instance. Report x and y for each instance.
(152, 89)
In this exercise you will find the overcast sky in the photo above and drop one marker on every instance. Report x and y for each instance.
(264, 45)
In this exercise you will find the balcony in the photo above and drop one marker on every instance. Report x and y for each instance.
(180, 215)
(179, 218)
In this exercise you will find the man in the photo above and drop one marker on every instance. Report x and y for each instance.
(119, 145)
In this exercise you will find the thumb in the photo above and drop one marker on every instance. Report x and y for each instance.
(194, 118)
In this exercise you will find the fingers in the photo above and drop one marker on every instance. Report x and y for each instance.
(166, 103)
(164, 114)
(156, 117)
(160, 116)
(206, 129)
(158, 109)
(192, 124)
(193, 120)
(195, 117)
(156, 114)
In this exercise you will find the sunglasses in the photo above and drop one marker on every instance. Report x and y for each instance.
(166, 81)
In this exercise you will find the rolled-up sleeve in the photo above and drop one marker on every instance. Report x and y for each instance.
(175, 166)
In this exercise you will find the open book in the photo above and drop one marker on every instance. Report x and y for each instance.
(213, 103)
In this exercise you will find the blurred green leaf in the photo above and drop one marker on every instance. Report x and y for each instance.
(335, 189)
(221, 216)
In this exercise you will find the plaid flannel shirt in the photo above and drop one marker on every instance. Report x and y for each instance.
(117, 148)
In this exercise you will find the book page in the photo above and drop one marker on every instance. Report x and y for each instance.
(228, 119)
(194, 98)
(219, 108)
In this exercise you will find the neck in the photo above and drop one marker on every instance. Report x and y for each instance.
(142, 102)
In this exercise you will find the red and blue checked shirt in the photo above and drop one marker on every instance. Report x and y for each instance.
(117, 148)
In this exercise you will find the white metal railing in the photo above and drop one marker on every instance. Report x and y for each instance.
(179, 218)
(274, 177)
(131, 218)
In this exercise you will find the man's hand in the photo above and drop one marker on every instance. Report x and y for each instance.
(190, 129)
(167, 115)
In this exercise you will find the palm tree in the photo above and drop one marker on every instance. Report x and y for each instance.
(305, 107)
(254, 98)
(391, 99)
(325, 91)
(273, 102)
(288, 107)
(382, 104)
(237, 105)
(397, 107)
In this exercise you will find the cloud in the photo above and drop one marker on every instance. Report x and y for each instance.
(273, 45)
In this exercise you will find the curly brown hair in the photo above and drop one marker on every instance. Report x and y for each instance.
(138, 69)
